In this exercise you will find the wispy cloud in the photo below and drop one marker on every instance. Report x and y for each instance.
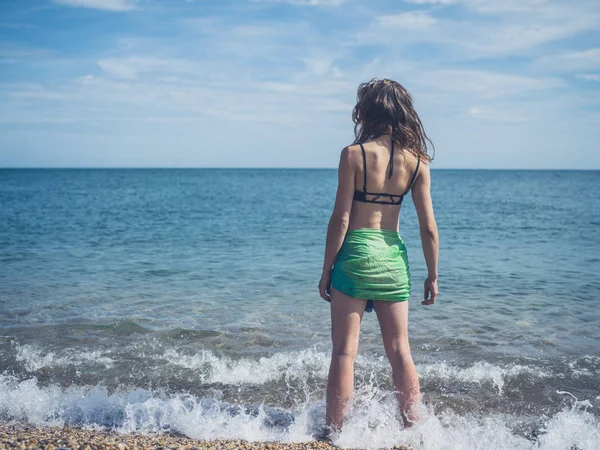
(118, 69)
(106, 5)
(488, 29)
(502, 115)
(130, 68)
(490, 6)
(572, 61)
(488, 85)
(416, 20)
(590, 76)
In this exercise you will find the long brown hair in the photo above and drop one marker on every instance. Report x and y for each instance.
(385, 107)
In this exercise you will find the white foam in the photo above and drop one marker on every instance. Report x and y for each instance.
(225, 370)
(479, 372)
(372, 421)
(298, 365)
(33, 358)
(574, 428)
(373, 424)
(143, 411)
(587, 365)
(291, 366)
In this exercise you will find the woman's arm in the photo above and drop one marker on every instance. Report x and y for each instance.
(421, 194)
(340, 218)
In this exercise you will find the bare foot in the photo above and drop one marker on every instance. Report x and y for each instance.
(325, 435)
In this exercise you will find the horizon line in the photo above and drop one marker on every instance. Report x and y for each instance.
(267, 168)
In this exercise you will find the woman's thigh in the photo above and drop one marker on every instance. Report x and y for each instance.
(346, 316)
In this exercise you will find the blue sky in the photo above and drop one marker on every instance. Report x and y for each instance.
(271, 83)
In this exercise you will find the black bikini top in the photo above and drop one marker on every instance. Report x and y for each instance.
(380, 197)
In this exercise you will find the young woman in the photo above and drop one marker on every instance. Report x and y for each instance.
(366, 264)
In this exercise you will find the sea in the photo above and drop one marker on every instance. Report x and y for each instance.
(185, 301)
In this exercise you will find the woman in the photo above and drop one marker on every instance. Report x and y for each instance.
(366, 264)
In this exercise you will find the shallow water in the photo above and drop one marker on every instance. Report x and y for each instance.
(186, 300)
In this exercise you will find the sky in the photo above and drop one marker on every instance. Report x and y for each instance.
(508, 84)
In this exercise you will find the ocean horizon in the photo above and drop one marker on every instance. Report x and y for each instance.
(433, 168)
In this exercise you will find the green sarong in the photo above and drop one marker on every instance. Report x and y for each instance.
(372, 264)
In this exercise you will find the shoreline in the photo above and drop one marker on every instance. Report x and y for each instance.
(25, 436)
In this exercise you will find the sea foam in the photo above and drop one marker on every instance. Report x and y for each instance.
(372, 420)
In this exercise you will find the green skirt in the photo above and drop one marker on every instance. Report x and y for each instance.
(372, 264)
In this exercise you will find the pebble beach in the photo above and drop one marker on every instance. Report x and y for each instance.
(57, 438)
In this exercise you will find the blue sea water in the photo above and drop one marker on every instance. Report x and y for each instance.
(186, 300)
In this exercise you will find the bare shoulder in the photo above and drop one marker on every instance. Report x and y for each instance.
(352, 150)
(350, 153)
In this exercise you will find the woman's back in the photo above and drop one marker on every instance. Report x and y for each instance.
(388, 178)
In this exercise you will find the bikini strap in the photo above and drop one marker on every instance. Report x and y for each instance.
(391, 163)
(364, 168)
(412, 180)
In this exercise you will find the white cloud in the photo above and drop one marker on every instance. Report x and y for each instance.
(589, 76)
(133, 67)
(490, 29)
(487, 6)
(415, 20)
(316, 66)
(495, 97)
(565, 62)
(494, 6)
(486, 84)
(33, 91)
(107, 5)
(118, 69)
(86, 79)
(497, 115)
(514, 39)
(174, 89)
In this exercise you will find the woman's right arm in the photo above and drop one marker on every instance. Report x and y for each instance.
(421, 195)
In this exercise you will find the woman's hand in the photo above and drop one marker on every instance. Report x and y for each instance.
(325, 286)
(431, 291)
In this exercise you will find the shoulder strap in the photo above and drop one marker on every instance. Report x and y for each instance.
(412, 180)
(364, 168)
(391, 163)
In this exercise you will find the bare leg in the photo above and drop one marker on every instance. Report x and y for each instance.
(393, 321)
(346, 316)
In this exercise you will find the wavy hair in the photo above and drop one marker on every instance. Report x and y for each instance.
(385, 107)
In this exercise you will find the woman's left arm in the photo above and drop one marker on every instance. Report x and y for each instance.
(340, 218)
